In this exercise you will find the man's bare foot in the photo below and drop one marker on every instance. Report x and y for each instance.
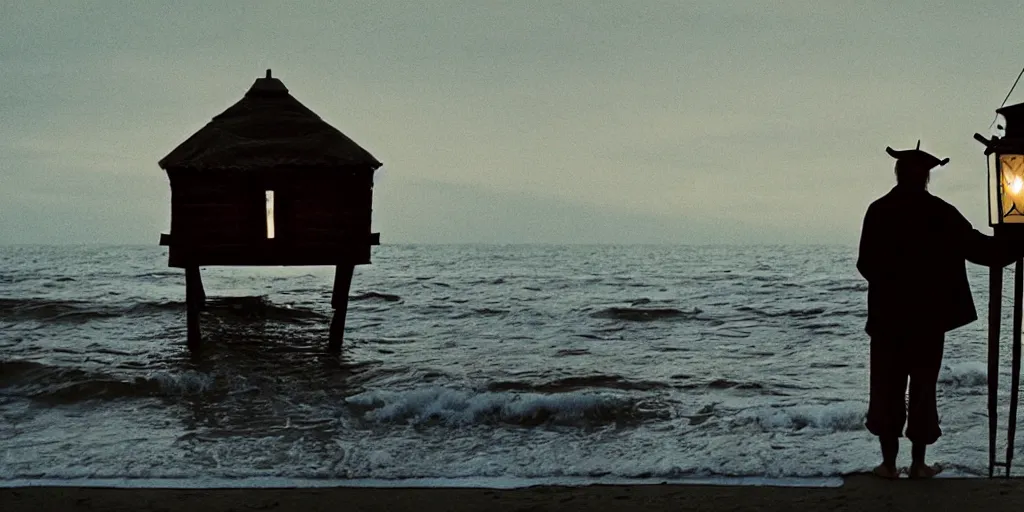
(924, 470)
(886, 472)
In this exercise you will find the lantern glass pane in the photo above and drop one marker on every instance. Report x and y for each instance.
(993, 190)
(1011, 185)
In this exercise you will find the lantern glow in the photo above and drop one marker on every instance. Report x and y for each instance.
(1011, 171)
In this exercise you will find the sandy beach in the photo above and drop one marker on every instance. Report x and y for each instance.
(857, 493)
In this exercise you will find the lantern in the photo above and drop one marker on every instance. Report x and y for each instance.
(1006, 169)
(1006, 216)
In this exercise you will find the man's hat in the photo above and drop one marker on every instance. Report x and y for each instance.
(916, 157)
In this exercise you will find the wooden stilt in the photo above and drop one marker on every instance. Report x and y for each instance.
(995, 299)
(201, 290)
(339, 301)
(194, 298)
(1018, 294)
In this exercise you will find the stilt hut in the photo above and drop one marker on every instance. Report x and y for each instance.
(267, 182)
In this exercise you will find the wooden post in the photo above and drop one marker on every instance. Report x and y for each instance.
(201, 290)
(1018, 294)
(339, 301)
(995, 299)
(194, 298)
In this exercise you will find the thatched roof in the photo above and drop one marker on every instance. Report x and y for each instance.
(266, 129)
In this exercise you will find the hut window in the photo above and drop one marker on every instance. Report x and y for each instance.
(270, 213)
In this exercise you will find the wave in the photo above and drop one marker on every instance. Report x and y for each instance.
(810, 312)
(794, 313)
(489, 311)
(159, 274)
(964, 375)
(832, 417)
(259, 307)
(57, 384)
(455, 407)
(772, 278)
(576, 383)
(53, 310)
(823, 326)
(475, 312)
(386, 297)
(730, 385)
(633, 314)
(856, 287)
(74, 311)
(154, 308)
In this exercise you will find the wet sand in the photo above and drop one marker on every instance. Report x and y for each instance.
(858, 493)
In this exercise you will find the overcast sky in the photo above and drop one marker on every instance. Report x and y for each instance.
(608, 122)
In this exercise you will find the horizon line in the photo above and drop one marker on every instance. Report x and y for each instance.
(468, 244)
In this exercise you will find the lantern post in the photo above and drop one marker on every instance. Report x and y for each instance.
(1006, 216)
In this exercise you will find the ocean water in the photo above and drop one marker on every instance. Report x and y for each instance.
(482, 363)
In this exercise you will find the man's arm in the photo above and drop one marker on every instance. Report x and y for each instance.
(982, 249)
(985, 250)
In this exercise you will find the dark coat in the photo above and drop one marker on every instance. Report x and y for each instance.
(913, 249)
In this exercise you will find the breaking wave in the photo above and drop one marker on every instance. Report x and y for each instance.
(964, 375)
(833, 417)
(455, 407)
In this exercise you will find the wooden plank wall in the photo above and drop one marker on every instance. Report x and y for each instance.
(322, 210)
(217, 212)
(311, 208)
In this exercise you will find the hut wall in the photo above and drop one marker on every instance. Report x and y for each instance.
(323, 210)
(320, 218)
(217, 211)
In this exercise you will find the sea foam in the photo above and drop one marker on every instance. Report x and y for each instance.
(964, 375)
(834, 417)
(464, 407)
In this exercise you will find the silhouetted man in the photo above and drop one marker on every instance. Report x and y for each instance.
(912, 251)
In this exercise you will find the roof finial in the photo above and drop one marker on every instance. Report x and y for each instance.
(918, 140)
(268, 74)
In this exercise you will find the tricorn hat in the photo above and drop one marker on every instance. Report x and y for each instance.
(916, 157)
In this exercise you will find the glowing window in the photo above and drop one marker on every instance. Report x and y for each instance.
(270, 214)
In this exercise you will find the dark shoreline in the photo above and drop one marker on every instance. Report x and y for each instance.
(856, 493)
